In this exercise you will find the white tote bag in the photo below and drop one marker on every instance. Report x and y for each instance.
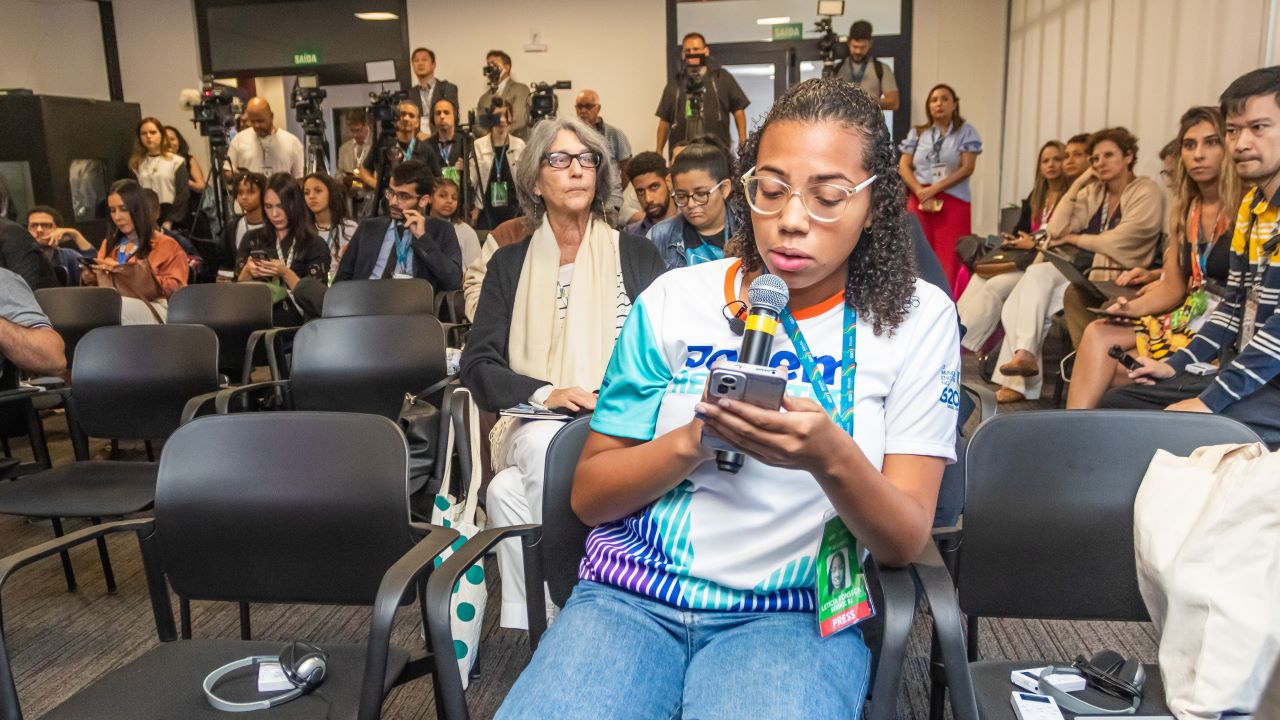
(1207, 543)
(466, 610)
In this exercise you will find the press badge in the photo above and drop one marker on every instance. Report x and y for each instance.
(498, 194)
(843, 599)
(937, 173)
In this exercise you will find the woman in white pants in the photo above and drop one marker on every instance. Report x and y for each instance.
(979, 306)
(549, 313)
(1107, 211)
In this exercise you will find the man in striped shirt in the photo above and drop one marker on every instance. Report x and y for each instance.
(1243, 334)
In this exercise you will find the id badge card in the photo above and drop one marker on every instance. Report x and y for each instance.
(937, 173)
(401, 276)
(1250, 325)
(843, 599)
(499, 194)
(451, 173)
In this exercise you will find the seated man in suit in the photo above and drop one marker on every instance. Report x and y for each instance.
(406, 244)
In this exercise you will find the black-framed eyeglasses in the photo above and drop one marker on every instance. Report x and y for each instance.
(824, 202)
(401, 197)
(698, 197)
(562, 160)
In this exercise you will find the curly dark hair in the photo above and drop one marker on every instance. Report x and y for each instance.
(882, 270)
(1123, 139)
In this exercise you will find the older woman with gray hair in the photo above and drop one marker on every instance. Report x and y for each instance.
(550, 310)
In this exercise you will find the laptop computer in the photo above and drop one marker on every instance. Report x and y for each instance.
(1101, 291)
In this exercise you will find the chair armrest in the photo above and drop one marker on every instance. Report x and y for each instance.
(250, 349)
(48, 382)
(454, 331)
(23, 392)
(897, 610)
(222, 401)
(987, 405)
(451, 697)
(948, 628)
(194, 404)
(276, 361)
(395, 582)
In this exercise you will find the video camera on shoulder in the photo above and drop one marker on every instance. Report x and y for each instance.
(492, 76)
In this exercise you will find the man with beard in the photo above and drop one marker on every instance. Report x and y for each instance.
(862, 69)
(1243, 334)
(407, 243)
(648, 177)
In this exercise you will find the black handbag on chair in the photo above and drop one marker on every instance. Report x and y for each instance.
(420, 421)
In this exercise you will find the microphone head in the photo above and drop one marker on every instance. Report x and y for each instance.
(768, 292)
(188, 98)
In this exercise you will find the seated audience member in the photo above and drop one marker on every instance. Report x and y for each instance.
(285, 252)
(1107, 211)
(492, 178)
(193, 256)
(1179, 300)
(1170, 155)
(679, 547)
(508, 233)
(61, 247)
(1075, 159)
(406, 243)
(410, 145)
(248, 188)
(445, 206)
(1243, 333)
(158, 169)
(137, 259)
(980, 303)
(938, 157)
(267, 149)
(27, 338)
(445, 141)
(587, 106)
(549, 312)
(327, 201)
(700, 187)
(648, 177)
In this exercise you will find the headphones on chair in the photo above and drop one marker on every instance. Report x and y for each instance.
(1108, 672)
(303, 665)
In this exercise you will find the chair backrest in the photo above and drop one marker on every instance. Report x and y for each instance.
(232, 310)
(564, 536)
(75, 311)
(366, 364)
(1048, 519)
(379, 297)
(132, 381)
(283, 507)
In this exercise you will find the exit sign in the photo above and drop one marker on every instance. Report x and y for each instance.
(788, 31)
(306, 57)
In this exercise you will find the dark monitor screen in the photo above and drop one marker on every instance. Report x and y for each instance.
(250, 37)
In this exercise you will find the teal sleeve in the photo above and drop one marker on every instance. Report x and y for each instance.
(635, 383)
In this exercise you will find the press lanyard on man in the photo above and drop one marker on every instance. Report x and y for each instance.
(841, 594)
(404, 249)
(408, 153)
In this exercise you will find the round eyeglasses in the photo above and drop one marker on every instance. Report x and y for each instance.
(824, 202)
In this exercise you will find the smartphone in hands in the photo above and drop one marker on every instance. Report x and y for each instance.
(753, 384)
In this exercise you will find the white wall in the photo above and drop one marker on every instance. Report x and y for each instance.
(1082, 65)
(53, 48)
(962, 44)
(615, 48)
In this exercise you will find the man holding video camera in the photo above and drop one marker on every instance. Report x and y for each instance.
(700, 99)
(515, 95)
(862, 69)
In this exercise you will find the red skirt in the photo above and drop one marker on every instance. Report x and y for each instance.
(943, 229)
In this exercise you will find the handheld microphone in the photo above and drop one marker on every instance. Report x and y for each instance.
(768, 296)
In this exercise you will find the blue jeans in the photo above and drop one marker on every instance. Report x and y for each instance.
(613, 654)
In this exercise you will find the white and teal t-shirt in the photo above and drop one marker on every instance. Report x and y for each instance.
(748, 541)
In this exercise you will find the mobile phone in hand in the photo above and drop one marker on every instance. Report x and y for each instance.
(1124, 358)
(258, 255)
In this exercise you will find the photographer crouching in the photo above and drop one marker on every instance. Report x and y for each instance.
(700, 99)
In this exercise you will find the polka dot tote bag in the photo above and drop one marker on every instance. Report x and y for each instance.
(457, 510)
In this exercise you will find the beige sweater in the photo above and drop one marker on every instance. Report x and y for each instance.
(1132, 242)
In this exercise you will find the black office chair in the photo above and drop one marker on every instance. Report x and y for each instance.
(309, 511)
(379, 297)
(240, 315)
(74, 311)
(129, 382)
(553, 550)
(1048, 530)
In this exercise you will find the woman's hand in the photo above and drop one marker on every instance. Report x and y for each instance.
(1137, 276)
(573, 399)
(925, 194)
(800, 438)
(1083, 181)
(271, 267)
(1022, 242)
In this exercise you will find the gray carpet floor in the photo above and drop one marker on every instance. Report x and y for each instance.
(60, 642)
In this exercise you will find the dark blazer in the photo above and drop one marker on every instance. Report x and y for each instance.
(437, 257)
(485, 369)
(20, 253)
(444, 90)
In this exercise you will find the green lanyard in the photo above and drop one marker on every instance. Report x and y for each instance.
(842, 414)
